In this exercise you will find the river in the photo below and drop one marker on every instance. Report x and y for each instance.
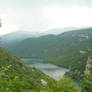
(51, 70)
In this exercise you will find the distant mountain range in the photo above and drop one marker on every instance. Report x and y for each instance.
(57, 31)
(18, 36)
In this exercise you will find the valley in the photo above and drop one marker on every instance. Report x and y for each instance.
(15, 76)
(46, 46)
(68, 49)
(49, 69)
(60, 59)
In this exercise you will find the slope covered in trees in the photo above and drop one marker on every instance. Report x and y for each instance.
(15, 76)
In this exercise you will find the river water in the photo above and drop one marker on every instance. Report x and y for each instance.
(51, 70)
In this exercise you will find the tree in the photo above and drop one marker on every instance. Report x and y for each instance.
(86, 83)
(66, 85)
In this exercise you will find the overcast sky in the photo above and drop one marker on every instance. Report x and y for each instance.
(40, 15)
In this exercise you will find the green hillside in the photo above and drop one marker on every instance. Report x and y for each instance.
(70, 49)
(17, 77)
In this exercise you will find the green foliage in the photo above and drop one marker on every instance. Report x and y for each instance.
(86, 83)
(66, 85)
(15, 76)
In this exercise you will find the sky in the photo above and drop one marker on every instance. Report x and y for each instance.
(41, 15)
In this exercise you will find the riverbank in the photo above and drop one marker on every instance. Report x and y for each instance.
(51, 70)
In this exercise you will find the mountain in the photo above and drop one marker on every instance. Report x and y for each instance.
(15, 37)
(69, 49)
(58, 31)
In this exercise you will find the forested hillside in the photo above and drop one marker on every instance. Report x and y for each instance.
(17, 77)
(70, 49)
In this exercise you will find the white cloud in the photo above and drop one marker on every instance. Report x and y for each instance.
(40, 15)
(69, 17)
